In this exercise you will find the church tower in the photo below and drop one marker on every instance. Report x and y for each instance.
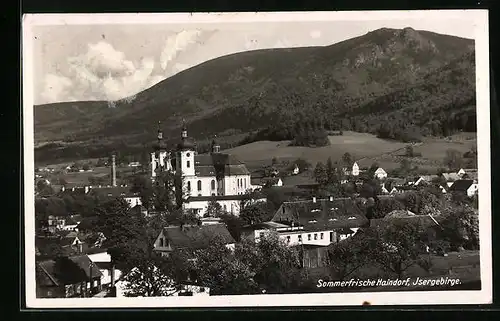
(160, 157)
(215, 146)
(185, 154)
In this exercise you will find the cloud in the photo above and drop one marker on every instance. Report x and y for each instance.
(56, 88)
(315, 34)
(177, 43)
(101, 73)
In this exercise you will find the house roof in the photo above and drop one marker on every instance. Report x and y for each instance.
(424, 220)
(65, 270)
(451, 176)
(322, 214)
(301, 179)
(399, 214)
(195, 236)
(461, 185)
(113, 191)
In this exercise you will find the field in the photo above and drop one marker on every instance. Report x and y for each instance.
(365, 148)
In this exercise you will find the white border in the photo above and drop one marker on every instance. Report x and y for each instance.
(282, 300)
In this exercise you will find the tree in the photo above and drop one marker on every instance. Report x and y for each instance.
(44, 189)
(409, 151)
(214, 209)
(276, 266)
(347, 159)
(460, 226)
(453, 159)
(254, 213)
(346, 257)
(320, 173)
(398, 247)
(222, 271)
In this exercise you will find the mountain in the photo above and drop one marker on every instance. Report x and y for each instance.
(355, 84)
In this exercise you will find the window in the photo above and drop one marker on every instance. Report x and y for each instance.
(161, 241)
(225, 208)
(308, 237)
(331, 236)
(261, 234)
(199, 185)
(213, 194)
(300, 238)
(188, 164)
(238, 182)
(188, 154)
(288, 239)
(212, 184)
(315, 236)
(321, 236)
(245, 183)
(189, 186)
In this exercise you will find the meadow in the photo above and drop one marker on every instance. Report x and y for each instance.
(364, 148)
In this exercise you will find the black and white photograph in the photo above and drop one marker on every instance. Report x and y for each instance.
(257, 159)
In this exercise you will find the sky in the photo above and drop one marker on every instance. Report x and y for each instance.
(113, 61)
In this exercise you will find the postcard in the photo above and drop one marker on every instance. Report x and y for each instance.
(257, 159)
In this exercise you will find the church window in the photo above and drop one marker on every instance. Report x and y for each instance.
(245, 183)
(188, 164)
(189, 186)
(188, 154)
(213, 184)
(213, 194)
(199, 185)
(321, 236)
(315, 236)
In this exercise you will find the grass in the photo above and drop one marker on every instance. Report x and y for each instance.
(365, 148)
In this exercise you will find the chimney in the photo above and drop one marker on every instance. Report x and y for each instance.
(113, 170)
(314, 199)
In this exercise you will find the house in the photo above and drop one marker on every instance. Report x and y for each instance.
(401, 216)
(295, 170)
(192, 237)
(421, 180)
(352, 170)
(313, 256)
(101, 258)
(66, 277)
(450, 178)
(122, 191)
(69, 244)
(402, 189)
(468, 174)
(321, 221)
(380, 173)
(465, 186)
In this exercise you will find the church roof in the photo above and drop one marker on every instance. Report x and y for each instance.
(207, 165)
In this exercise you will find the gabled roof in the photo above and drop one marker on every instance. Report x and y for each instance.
(226, 197)
(196, 236)
(399, 214)
(450, 177)
(64, 271)
(461, 185)
(322, 214)
(424, 220)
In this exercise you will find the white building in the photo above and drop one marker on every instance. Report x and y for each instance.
(380, 173)
(214, 176)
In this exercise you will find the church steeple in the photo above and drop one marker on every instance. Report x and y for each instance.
(186, 142)
(160, 144)
(184, 133)
(215, 145)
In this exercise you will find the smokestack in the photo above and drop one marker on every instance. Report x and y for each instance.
(113, 170)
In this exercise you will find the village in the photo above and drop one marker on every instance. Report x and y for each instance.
(212, 205)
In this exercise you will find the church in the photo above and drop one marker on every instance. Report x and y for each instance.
(205, 177)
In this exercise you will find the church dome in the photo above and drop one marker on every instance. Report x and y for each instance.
(186, 144)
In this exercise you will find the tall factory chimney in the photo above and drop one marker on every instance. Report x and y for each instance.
(113, 170)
